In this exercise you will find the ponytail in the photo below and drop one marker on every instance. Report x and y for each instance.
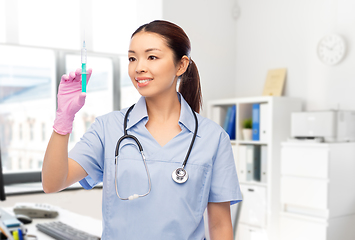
(190, 87)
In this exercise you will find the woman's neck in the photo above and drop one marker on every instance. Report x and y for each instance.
(163, 108)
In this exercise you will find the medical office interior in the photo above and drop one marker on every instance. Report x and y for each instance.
(302, 163)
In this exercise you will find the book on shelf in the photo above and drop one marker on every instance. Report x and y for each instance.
(242, 156)
(263, 122)
(251, 164)
(226, 119)
(229, 122)
(256, 163)
(263, 159)
(256, 122)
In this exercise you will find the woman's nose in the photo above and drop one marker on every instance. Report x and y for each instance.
(141, 68)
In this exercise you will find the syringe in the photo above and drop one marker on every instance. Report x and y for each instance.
(83, 68)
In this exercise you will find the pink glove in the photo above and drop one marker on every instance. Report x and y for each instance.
(70, 101)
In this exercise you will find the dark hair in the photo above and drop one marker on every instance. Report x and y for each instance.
(179, 43)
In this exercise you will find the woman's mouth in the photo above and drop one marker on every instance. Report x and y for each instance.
(142, 82)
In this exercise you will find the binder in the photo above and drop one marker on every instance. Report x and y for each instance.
(226, 119)
(242, 156)
(263, 159)
(231, 122)
(263, 121)
(256, 163)
(249, 162)
(256, 125)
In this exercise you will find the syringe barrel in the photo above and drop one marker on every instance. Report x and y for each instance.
(83, 55)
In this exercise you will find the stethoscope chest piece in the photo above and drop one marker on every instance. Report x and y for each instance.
(180, 175)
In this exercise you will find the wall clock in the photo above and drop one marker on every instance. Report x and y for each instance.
(331, 49)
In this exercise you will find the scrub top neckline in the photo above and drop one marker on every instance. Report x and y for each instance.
(186, 119)
(156, 142)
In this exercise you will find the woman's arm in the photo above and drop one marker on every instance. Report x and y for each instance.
(59, 171)
(219, 221)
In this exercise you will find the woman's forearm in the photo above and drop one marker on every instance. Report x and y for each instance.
(219, 221)
(55, 163)
(223, 232)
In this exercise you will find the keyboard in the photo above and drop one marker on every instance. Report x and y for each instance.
(62, 231)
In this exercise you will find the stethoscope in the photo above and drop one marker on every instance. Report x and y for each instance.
(179, 175)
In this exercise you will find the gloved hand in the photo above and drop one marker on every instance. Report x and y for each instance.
(70, 100)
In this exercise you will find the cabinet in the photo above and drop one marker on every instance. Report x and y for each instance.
(259, 217)
(317, 191)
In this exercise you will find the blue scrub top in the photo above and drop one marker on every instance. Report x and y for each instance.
(170, 210)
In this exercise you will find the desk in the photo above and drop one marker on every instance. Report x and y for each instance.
(84, 223)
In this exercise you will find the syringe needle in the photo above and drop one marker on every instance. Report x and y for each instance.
(83, 68)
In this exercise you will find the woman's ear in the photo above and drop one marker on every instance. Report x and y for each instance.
(182, 66)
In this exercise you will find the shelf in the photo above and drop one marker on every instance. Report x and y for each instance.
(304, 217)
(254, 183)
(251, 142)
(263, 197)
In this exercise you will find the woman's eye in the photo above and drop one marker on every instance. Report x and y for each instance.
(152, 57)
(131, 59)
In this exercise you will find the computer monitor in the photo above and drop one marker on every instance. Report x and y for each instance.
(2, 190)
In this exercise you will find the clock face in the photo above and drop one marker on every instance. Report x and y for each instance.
(331, 49)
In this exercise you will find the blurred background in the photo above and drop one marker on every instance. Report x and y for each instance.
(234, 44)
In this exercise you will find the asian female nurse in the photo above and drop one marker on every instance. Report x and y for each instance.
(165, 122)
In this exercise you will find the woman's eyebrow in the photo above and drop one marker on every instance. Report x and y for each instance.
(152, 49)
(148, 50)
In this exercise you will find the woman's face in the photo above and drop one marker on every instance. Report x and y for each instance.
(151, 65)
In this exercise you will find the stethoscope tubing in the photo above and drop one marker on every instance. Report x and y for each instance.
(176, 178)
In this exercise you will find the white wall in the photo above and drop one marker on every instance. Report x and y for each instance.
(234, 56)
(211, 29)
(275, 33)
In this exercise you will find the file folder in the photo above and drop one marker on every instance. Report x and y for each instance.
(256, 125)
(250, 162)
(263, 157)
(242, 156)
(256, 163)
(263, 122)
(226, 119)
(231, 122)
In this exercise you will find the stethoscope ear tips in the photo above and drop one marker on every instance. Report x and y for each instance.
(180, 175)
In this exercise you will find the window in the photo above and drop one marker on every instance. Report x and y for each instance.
(28, 89)
(31, 123)
(2, 21)
(20, 131)
(19, 165)
(43, 132)
(29, 76)
(27, 97)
